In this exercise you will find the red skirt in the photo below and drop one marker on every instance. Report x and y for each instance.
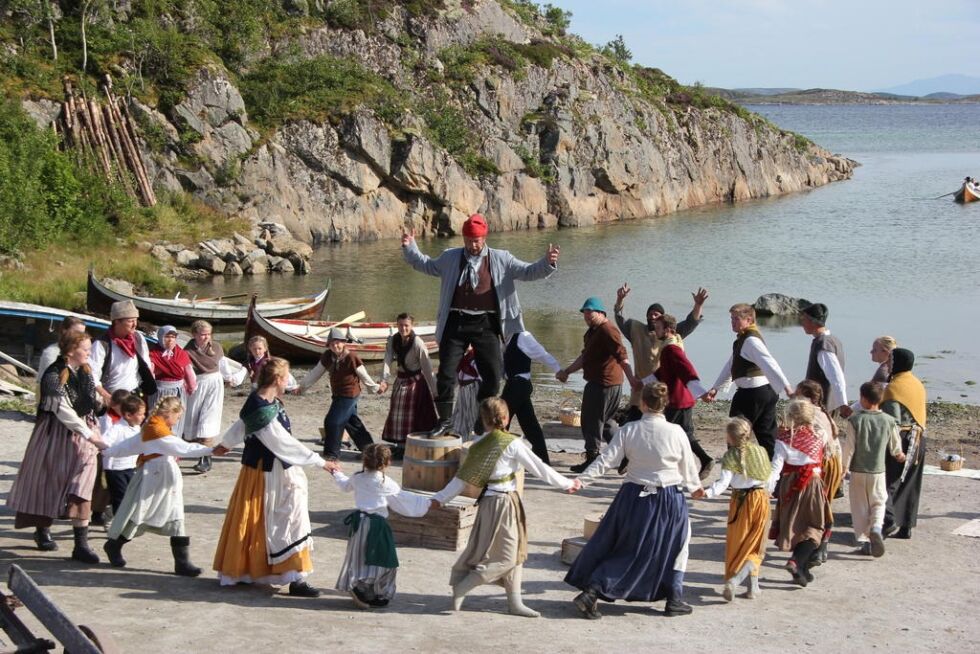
(412, 408)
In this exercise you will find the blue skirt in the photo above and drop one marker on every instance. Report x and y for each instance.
(632, 554)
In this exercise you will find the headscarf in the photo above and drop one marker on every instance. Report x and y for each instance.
(904, 387)
(168, 365)
(749, 460)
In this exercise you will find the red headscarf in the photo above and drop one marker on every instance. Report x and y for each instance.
(475, 226)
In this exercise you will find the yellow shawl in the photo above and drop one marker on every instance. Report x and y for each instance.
(154, 428)
(906, 389)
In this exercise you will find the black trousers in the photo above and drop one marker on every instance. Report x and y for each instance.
(463, 330)
(685, 419)
(758, 406)
(517, 395)
(118, 482)
(599, 405)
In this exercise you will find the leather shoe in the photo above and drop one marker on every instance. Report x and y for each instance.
(442, 428)
(302, 589)
(677, 607)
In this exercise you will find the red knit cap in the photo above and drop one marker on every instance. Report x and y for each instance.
(475, 226)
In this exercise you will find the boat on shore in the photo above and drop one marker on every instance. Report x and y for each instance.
(26, 329)
(967, 193)
(217, 310)
(303, 341)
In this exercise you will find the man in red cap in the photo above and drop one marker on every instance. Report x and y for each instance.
(478, 306)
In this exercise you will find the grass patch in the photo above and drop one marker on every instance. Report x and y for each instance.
(17, 404)
(462, 63)
(447, 126)
(323, 88)
(366, 14)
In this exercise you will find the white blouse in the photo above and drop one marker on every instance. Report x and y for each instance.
(375, 492)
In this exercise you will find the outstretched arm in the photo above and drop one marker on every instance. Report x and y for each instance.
(414, 257)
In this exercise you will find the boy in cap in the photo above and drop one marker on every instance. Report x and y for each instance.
(478, 306)
(347, 374)
(603, 363)
(826, 363)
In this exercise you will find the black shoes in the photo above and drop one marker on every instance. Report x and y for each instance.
(588, 605)
(203, 464)
(589, 458)
(360, 599)
(302, 589)
(113, 550)
(888, 530)
(864, 549)
(677, 607)
(904, 533)
(800, 576)
(442, 428)
(43, 540)
(82, 552)
(180, 546)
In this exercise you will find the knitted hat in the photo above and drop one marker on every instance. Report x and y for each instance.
(337, 334)
(817, 313)
(593, 304)
(475, 226)
(123, 309)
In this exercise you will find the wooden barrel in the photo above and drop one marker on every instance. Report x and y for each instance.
(473, 491)
(430, 463)
(591, 523)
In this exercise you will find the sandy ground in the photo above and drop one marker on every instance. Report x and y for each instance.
(922, 596)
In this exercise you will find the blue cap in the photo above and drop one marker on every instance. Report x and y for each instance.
(593, 304)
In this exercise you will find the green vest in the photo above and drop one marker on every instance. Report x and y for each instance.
(872, 432)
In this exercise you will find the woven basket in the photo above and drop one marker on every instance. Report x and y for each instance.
(951, 466)
(568, 414)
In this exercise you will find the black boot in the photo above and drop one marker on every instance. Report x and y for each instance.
(445, 424)
(180, 546)
(302, 589)
(589, 458)
(82, 552)
(113, 549)
(42, 537)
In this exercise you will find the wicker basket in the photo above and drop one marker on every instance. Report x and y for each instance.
(951, 466)
(568, 414)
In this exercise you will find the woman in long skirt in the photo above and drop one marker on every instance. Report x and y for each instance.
(203, 421)
(56, 477)
(802, 509)
(497, 547)
(266, 536)
(467, 407)
(905, 400)
(832, 465)
(745, 467)
(154, 499)
(172, 370)
(371, 562)
(639, 551)
(412, 408)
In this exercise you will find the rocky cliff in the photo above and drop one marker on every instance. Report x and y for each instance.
(548, 132)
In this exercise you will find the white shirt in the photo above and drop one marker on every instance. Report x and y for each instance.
(530, 346)
(783, 453)
(117, 433)
(125, 370)
(168, 446)
(755, 351)
(659, 452)
(735, 480)
(830, 365)
(374, 492)
(313, 375)
(514, 456)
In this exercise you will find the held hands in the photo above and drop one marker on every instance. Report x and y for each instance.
(331, 466)
(382, 387)
(576, 487)
(434, 504)
(408, 237)
(220, 450)
(100, 444)
(562, 375)
(698, 494)
(846, 411)
(553, 252)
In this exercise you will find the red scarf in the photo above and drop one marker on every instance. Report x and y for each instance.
(126, 343)
(169, 365)
(805, 440)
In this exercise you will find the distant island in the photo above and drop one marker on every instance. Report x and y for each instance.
(756, 96)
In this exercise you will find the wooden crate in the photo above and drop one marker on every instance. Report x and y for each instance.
(445, 528)
(570, 548)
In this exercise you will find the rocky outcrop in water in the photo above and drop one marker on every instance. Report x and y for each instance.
(573, 142)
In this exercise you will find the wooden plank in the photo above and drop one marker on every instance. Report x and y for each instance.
(48, 613)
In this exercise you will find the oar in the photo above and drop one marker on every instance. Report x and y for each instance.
(13, 361)
(354, 317)
(220, 297)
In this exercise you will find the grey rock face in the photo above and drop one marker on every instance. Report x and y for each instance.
(777, 304)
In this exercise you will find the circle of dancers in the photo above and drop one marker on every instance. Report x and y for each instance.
(115, 413)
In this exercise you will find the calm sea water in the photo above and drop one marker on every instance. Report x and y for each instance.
(885, 260)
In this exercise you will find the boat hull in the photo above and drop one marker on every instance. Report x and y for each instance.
(300, 348)
(184, 312)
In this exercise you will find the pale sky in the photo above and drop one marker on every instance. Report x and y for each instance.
(858, 45)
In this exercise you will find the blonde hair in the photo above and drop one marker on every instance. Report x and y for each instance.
(494, 413)
(799, 413)
(274, 368)
(168, 406)
(887, 342)
(740, 430)
(198, 325)
(654, 396)
(743, 310)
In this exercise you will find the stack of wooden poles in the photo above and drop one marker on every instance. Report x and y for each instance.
(105, 134)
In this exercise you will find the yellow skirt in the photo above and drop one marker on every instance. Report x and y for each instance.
(242, 554)
(833, 476)
(748, 522)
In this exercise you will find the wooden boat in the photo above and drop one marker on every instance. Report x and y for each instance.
(291, 340)
(357, 332)
(184, 311)
(26, 329)
(967, 194)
